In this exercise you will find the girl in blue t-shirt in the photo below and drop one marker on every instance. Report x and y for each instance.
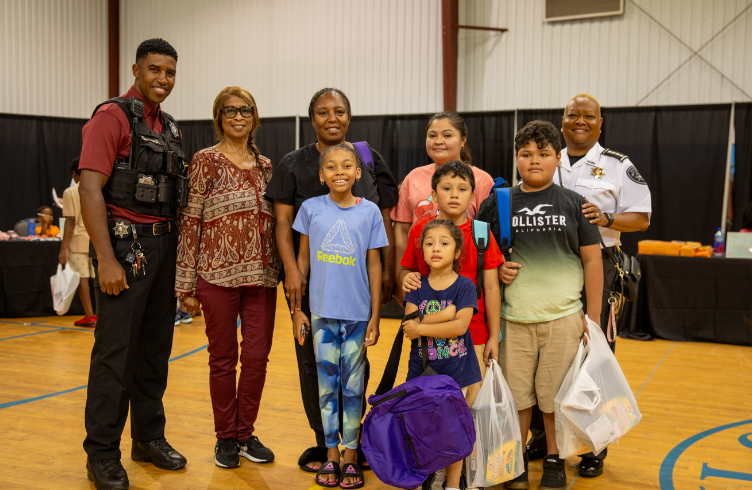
(448, 302)
(340, 237)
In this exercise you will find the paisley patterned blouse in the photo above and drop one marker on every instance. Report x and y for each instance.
(226, 234)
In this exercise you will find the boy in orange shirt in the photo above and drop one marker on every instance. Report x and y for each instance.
(453, 189)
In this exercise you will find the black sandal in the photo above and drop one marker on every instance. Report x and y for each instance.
(316, 454)
(328, 468)
(362, 460)
(351, 470)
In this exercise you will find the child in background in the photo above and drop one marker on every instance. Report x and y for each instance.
(556, 249)
(448, 301)
(75, 247)
(45, 227)
(453, 187)
(340, 237)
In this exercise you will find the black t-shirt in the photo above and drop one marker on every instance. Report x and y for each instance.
(296, 178)
(575, 158)
(548, 229)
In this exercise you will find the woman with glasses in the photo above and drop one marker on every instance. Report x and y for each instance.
(228, 263)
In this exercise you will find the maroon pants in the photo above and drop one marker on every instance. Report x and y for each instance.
(235, 410)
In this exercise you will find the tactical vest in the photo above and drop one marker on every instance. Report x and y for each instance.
(151, 179)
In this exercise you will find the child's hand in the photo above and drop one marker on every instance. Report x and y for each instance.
(587, 330)
(412, 329)
(491, 351)
(508, 270)
(298, 320)
(411, 282)
(372, 333)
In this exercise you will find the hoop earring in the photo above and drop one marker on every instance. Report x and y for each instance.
(322, 182)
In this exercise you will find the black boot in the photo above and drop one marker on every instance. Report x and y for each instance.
(521, 482)
(590, 467)
(159, 453)
(554, 476)
(107, 474)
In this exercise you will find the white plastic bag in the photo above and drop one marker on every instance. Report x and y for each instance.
(64, 284)
(599, 404)
(497, 453)
(566, 440)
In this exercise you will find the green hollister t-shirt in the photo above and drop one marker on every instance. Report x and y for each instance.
(548, 228)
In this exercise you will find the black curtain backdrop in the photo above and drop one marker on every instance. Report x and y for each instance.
(36, 156)
(742, 190)
(680, 151)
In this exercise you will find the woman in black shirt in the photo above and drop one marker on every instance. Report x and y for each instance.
(295, 179)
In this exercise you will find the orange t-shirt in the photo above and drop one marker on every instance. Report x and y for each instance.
(415, 195)
(413, 260)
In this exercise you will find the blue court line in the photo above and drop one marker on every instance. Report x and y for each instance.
(34, 333)
(21, 323)
(666, 474)
(54, 328)
(29, 400)
(655, 369)
(572, 482)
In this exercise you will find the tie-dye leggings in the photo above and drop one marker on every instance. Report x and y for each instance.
(340, 360)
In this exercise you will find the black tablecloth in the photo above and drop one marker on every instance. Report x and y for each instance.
(692, 299)
(25, 271)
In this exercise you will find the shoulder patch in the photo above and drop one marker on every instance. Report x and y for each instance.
(611, 153)
(635, 176)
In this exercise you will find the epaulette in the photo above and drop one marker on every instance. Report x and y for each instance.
(615, 154)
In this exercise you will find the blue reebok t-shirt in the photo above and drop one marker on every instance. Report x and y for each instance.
(453, 357)
(338, 240)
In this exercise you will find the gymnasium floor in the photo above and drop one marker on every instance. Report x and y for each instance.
(696, 401)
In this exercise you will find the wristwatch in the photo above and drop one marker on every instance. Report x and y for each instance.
(610, 218)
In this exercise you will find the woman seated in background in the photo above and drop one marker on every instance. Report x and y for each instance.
(44, 220)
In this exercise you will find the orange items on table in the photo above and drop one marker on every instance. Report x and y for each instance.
(674, 248)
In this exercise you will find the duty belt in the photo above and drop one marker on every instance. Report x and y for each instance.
(121, 228)
(605, 251)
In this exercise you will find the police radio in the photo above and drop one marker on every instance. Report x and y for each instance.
(136, 107)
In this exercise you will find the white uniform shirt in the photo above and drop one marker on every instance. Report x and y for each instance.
(620, 190)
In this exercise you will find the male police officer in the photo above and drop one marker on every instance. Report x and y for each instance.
(132, 183)
(618, 201)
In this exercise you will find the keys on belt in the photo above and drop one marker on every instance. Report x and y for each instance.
(136, 256)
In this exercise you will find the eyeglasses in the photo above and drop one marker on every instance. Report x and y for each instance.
(231, 111)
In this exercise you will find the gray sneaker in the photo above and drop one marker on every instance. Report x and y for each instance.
(253, 450)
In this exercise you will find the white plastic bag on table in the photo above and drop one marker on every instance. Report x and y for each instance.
(497, 454)
(64, 284)
(567, 441)
(599, 404)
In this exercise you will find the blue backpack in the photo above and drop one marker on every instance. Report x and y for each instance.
(482, 230)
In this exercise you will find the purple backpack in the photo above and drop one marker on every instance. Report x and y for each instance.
(417, 428)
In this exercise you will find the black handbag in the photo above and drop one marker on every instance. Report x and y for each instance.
(627, 279)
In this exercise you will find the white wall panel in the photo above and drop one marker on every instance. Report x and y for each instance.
(618, 59)
(386, 55)
(53, 56)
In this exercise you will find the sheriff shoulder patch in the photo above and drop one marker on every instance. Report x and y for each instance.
(635, 176)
